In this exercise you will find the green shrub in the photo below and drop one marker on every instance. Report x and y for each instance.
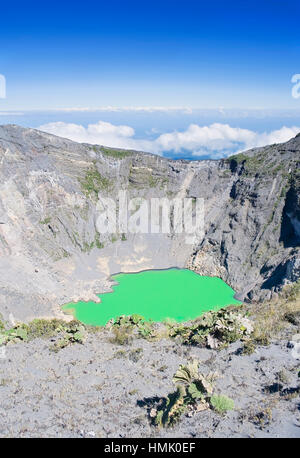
(249, 347)
(193, 391)
(73, 332)
(135, 322)
(15, 334)
(42, 328)
(214, 329)
(221, 403)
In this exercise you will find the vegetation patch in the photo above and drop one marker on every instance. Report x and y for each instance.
(98, 243)
(15, 334)
(94, 182)
(88, 246)
(116, 153)
(125, 325)
(262, 418)
(121, 335)
(214, 329)
(46, 220)
(194, 393)
(221, 403)
(271, 317)
(73, 333)
(67, 333)
(257, 164)
(41, 328)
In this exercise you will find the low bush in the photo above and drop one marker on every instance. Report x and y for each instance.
(40, 328)
(214, 329)
(194, 393)
(221, 403)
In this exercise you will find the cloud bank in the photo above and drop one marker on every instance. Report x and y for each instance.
(215, 140)
(135, 109)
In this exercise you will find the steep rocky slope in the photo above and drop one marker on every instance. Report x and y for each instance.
(51, 252)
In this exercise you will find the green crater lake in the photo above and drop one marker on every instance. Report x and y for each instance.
(177, 294)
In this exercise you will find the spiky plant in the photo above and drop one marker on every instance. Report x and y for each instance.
(193, 390)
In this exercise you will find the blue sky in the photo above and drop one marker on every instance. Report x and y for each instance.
(226, 66)
(166, 53)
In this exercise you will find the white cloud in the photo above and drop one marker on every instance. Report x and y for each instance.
(114, 109)
(103, 133)
(216, 140)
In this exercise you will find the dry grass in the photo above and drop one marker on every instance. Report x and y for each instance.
(122, 335)
(272, 317)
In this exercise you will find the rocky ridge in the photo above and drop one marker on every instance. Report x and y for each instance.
(51, 252)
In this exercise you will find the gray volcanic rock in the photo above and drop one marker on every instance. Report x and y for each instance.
(51, 252)
(101, 389)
